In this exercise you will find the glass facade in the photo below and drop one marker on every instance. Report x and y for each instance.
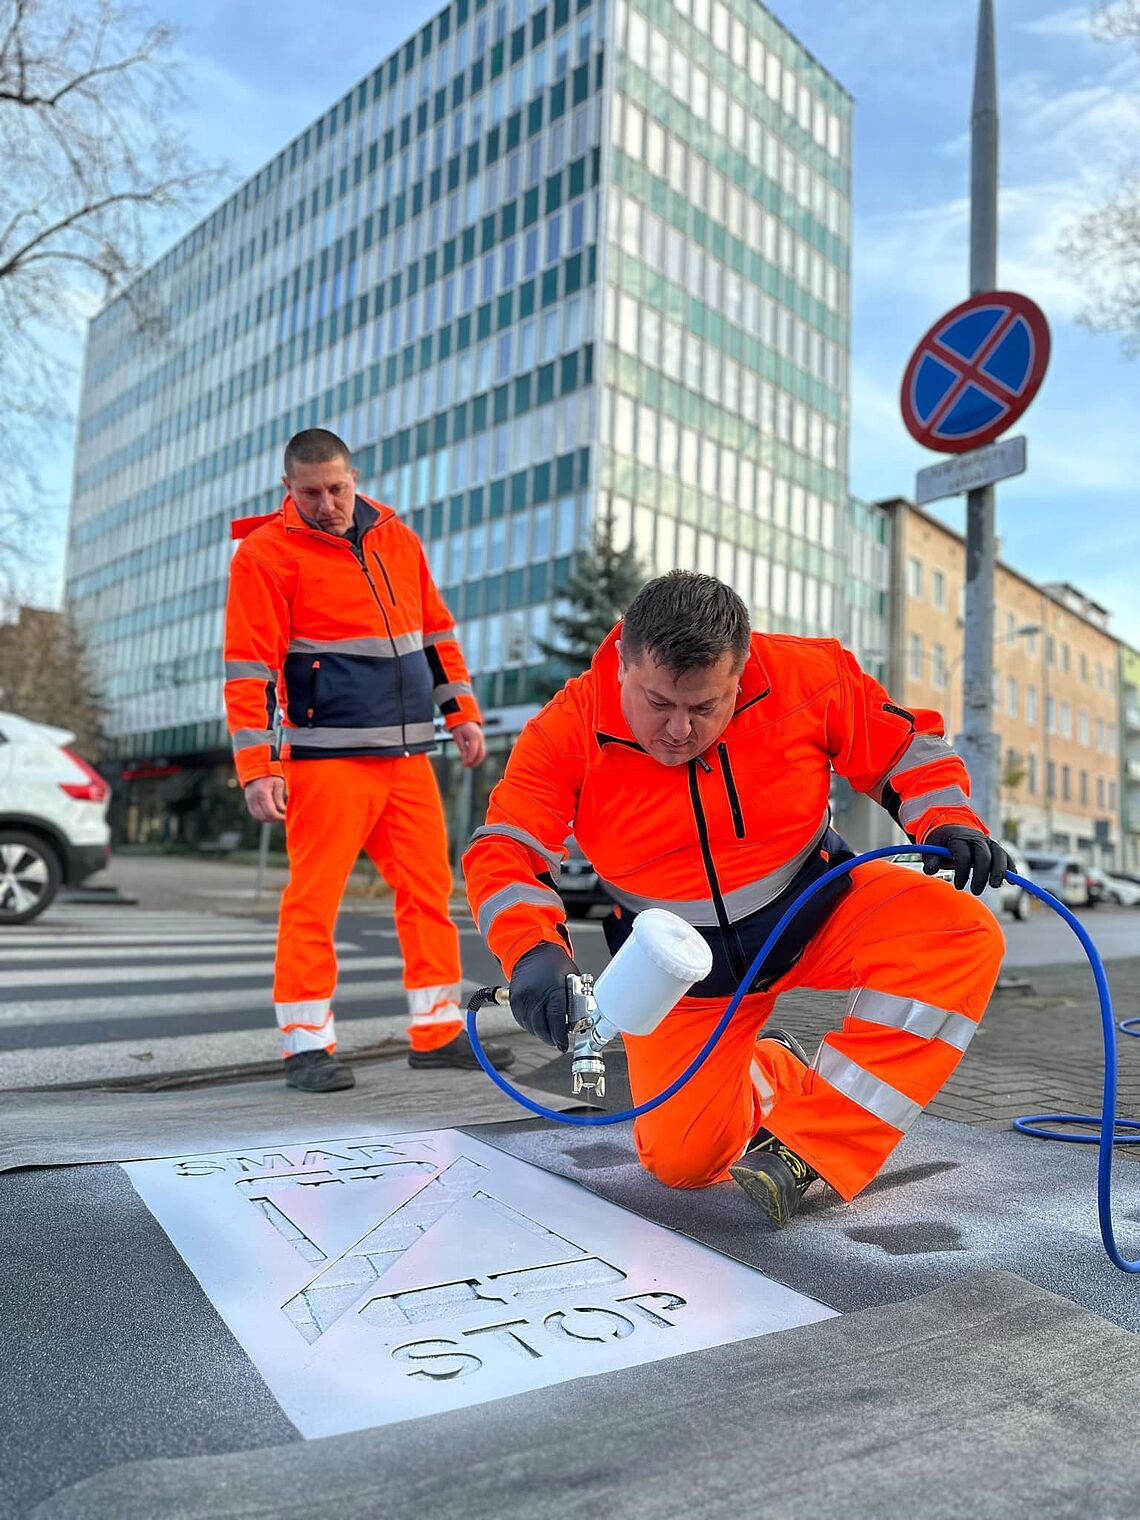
(550, 258)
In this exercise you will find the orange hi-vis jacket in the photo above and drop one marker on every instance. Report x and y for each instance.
(724, 840)
(352, 641)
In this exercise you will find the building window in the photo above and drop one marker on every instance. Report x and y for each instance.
(1099, 676)
(1050, 650)
(938, 589)
(1011, 696)
(1031, 704)
(938, 665)
(1065, 655)
(1084, 666)
(1066, 720)
(1100, 791)
(1051, 715)
(1010, 627)
(914, 576)
(1100, 733)
(1065, 783)
(1083, 726)
(1084, 789)
(1050, 778)
(1031, 772)
(914, 644)
(1112, 796)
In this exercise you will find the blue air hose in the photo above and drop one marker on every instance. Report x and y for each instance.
(1107, 1121)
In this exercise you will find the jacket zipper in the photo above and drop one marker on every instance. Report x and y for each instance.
(362, 561)
(730, 788)
(731, 941)
(313, 674)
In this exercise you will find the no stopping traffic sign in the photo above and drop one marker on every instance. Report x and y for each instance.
(975, 371)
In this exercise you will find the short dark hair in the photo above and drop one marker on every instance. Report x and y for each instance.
(316, 446)
(686, 621)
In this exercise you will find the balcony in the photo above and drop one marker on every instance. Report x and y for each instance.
(1132, 719)
(1132, 771)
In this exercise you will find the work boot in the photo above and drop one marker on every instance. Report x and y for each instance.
(317, 1071)
(774, 1177)
(458, 1055)
(788, 1041)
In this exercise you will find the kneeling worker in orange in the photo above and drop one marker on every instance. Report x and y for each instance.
(333, 616)
(693, 762)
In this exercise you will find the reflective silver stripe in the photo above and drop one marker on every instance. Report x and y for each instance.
(441, 637)
(380, 648)
(923, 1019)
(738, 903)
(510, 897)
(451, 689)
(250, 738)
(869, 1092)
(312, 1015)
(361, 738)
(922, 750)
(942, 797)
(248, 670)
(508, 831)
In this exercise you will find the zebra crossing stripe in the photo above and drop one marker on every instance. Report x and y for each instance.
(187, 971)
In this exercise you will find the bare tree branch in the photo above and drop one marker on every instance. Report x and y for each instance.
(1102, 247)
(94, 169)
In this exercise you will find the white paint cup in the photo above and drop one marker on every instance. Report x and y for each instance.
(652, 971)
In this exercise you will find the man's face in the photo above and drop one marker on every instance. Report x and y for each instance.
(676, 717)
(325, 493)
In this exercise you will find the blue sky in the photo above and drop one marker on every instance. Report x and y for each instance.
(255, 74)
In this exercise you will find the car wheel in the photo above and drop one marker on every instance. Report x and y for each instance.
(30, 875)
(1023, 907)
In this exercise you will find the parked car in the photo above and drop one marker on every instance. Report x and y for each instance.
(1012, 899)
(53, 817)
(1118, 890)
(579, 886)
(1063, 875)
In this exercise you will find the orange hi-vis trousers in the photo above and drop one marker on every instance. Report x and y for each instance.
(918, 961)
(390, 808)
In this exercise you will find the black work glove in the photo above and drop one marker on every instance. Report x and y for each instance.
(538, 993)
(971, 854)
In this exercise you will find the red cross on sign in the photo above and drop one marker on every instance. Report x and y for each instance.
(975, 371)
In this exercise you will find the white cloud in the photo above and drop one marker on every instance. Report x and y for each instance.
(1072, 22)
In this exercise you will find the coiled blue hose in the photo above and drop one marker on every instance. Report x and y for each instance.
(1027, 1125)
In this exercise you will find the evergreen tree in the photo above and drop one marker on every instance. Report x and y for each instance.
(602, 583)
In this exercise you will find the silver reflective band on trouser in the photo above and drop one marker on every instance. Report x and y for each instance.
(250, 738)
(381, 648)
(520, 836)
(249, 670)
(943, 797)
(306, 1026)
(451, 689)
(922, 750)
(510, 897)
(739, 902)
(923, 1019)
(434, 1005)
(361, 738)
(869, 1092)
(440, 637)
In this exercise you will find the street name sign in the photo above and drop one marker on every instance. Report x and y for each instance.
(975, 372)
(969, 472)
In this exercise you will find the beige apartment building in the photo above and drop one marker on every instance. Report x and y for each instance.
(1056, 689)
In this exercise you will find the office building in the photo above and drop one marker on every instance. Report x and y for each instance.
(546, 260)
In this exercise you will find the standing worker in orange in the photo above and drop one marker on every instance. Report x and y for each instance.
(693, 762)
(333, 615)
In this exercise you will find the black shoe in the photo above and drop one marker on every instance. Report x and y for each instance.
(788, 1041)
(317, 1071)
(457, 1055)
(774, 1177)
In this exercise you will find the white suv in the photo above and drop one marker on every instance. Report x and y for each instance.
(53, 817)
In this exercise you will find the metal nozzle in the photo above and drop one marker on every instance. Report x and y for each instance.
(589, 1069)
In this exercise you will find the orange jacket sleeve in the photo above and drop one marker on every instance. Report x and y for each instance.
(452, 683)
(256, 638)
(899, 758)
(513, 862)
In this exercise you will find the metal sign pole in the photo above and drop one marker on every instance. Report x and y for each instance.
(979, 743)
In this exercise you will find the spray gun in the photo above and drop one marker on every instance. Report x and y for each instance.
(652, 971)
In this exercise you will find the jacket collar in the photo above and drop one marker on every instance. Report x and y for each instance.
(365, 514)
(610, 726)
